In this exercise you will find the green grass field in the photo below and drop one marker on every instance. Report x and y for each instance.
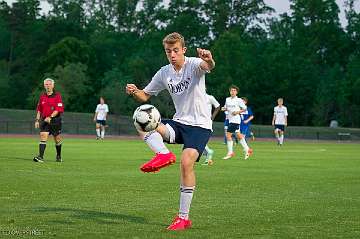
(302, 190)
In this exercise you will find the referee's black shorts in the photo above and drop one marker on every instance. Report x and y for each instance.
(54, 128)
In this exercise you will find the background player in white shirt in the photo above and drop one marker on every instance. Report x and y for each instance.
(184, 79)
(101, 112)
(279, 121)
(235, 106)
(211, 103)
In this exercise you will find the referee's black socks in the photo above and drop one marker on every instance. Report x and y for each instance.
(42, 146)
(58, 148)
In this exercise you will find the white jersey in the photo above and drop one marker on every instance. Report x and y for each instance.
(232, 105)
(101, 110)
(280, 114)
(211, 102)
(187, 90)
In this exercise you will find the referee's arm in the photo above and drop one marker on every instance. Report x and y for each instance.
(37, 119)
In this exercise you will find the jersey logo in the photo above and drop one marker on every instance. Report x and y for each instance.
(180, 87)
(60, 104)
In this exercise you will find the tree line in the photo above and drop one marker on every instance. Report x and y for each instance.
(93, 48)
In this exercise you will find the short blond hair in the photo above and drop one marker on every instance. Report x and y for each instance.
(174, 37)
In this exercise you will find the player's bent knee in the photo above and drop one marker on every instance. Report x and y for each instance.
(188, 158)
(167, 132)
(57, 138)
(44, 136)
(228, 137)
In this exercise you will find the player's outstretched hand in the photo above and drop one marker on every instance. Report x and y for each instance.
(204, 54)
(131, 89)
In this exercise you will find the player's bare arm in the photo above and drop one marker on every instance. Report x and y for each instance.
(53, 114)
(249, 119)
(208, 62)
(37, 119)
(273, 120)
(138, 94)
(216, 111)
(238, 112)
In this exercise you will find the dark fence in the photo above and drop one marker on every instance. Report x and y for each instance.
(125, 127)
(27, 127)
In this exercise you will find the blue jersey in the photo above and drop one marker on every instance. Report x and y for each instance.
(246, 116)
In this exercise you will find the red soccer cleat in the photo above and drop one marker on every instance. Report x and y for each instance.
(248, 153)
(158, 162)
(179, 224)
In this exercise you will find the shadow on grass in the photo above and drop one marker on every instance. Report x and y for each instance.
(19, 158)
(96, 216)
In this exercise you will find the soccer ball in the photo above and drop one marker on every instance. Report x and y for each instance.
(146, 118)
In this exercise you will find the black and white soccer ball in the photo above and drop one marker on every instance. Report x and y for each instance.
(146, 118)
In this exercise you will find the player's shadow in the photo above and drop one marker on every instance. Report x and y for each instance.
(96, 216)
(19, 158)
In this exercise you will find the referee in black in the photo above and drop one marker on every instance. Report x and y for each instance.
(48, 119)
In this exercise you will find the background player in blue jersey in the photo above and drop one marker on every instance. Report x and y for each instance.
(246, 118)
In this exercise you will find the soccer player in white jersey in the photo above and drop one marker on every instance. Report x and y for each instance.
(184, 79)
(279, 121)
(211, 103)
(235, 106)
(101, 112)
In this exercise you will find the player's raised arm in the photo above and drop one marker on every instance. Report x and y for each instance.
(139, 95)
(208, 62)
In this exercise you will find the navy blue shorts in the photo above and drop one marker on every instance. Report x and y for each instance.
(233, 128)
(101, 122)
(280, 127)
(190, 136)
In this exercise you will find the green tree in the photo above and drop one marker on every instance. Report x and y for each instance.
(4, 85)
(114, 92)
(71, 80)
(223, 15)
(68, 50)
(185, 16)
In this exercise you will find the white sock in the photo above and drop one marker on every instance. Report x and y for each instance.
(281, 139)
(244, 144)
(103, 133)
(206, 150)
(230, 144)
(154, 140)
(98, 132)
(186, 195)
